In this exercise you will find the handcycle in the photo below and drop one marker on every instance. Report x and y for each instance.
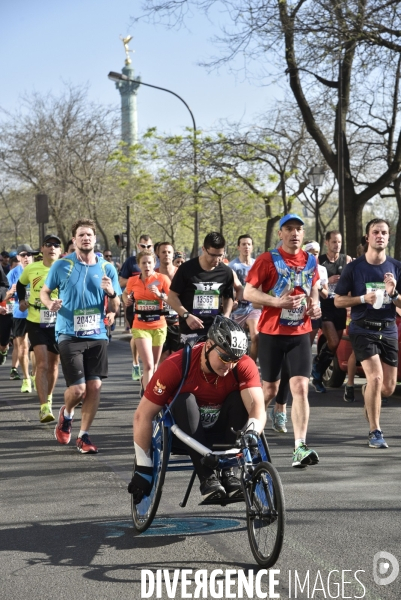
(261, 485)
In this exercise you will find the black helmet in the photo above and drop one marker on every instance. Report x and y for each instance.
(229, 336)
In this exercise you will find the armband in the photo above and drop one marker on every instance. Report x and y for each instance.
(362, 299)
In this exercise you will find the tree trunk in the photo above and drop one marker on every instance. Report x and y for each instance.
(397, 245)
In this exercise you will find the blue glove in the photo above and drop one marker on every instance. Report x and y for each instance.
(141, 483)
(252, 440)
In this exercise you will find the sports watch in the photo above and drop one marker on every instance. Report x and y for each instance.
(185, 315)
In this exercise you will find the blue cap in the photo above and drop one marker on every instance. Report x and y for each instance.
(12, 253)
(290, 217)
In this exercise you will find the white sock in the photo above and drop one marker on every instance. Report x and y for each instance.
(81, 433)
(299, 442)
(68, 415)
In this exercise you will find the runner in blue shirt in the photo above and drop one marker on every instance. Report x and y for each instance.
(83, 280)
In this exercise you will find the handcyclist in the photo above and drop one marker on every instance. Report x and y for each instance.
(83, 279)
(289, 293)
(221, 392)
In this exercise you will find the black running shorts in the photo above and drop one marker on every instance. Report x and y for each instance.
(19, 327)
(82, 360)
(173, 339)
(273, 349)
(368, 344)
(337, 316)
(6, 325)
(41, 336)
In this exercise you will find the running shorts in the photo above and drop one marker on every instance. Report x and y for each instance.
(82, 360)
(274, 349)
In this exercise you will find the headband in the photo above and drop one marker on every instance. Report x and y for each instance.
(312, 246)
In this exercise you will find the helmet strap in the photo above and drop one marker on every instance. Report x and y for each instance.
(209, 366)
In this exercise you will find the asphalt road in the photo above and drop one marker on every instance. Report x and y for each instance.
(66, 530)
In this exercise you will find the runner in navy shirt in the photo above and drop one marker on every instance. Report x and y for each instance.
(374, 282)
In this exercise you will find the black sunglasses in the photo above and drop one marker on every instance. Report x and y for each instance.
(27, 254)
(108, 255)
(52, 244)
(225, 358)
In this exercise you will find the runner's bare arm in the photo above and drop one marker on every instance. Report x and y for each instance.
(174, 301)
(255, 405)
(46, 300)
(256, 296)
(227, 306)
(142, 423)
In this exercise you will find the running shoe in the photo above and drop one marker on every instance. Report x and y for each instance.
(318, 385)
(279, 419)
(136, 372)
(349, 395)
(85, 446)
(231, 484)
(33, 380)
(304, 456)
(211, 488)
(14, 373)
(62, 431)
(3, 358)
(26, 387)
(45, 413)
(376, 439)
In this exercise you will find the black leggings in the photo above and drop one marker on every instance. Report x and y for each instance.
(186, 414)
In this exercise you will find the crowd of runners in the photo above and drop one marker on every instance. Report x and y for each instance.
(251, 324)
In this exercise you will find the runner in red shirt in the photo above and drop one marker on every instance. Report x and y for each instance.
(213, 400)
(285, 283)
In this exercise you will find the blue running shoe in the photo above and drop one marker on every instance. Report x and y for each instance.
(318, 385)
(279, 419)
(376, 439)
(315, 373)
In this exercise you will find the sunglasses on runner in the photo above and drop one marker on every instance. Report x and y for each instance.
(108, 255)
(145, 245)
(52, 244)
(225, 358)
(26, 254)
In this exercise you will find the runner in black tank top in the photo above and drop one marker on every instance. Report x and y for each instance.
(333, 319)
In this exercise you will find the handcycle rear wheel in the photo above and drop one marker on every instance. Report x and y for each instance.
(144, 512)
(266, 514)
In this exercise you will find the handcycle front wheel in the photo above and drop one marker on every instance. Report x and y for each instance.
(144, 512)
(266, 514)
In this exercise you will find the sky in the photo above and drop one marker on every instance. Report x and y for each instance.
(44, 44)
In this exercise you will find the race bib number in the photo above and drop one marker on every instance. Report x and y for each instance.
(47, 318)
(10, 304)
(87, 322)
(209, 415)
(375, 286)
(206, 298)
(293, 317)
(148, 305)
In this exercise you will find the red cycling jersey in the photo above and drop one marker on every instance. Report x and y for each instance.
(207, 390)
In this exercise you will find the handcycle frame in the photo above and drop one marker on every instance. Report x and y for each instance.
(262, 489)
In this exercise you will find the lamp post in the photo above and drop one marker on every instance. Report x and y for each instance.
(316, 176)
(114, 76)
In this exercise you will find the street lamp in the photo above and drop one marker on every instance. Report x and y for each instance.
(316, 176)
(114, 76)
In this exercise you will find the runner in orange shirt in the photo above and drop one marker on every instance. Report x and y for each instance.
(149, 329)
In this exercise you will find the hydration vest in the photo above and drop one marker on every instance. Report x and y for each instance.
(289, 278)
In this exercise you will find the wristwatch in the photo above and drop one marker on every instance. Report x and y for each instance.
(185, 315)
(394, 296)
(111, 296)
